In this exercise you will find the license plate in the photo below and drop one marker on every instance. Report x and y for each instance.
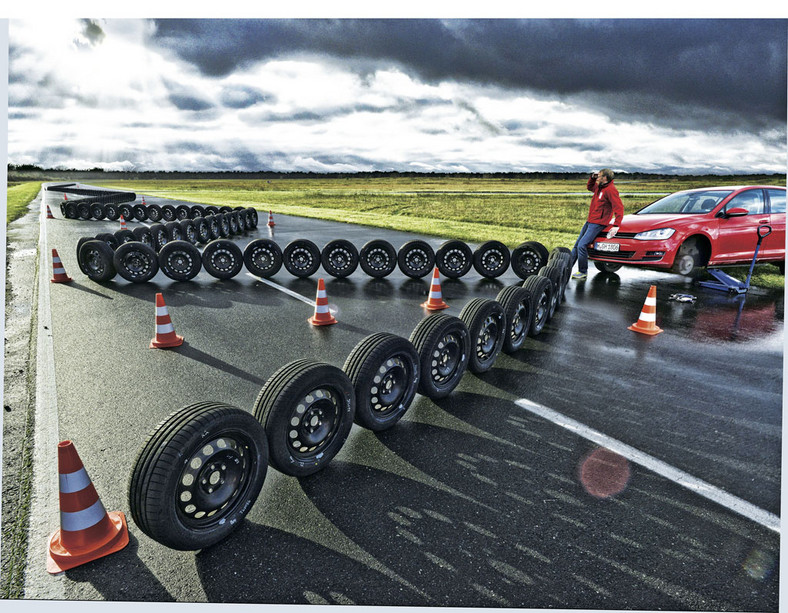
(607, 246)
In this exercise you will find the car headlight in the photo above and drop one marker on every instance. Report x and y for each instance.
(655, 235)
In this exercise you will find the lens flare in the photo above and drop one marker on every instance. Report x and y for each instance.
(604, 474)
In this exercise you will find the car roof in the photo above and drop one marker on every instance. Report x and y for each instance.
(732, 188)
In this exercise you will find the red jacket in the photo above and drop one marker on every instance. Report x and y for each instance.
(604, 204)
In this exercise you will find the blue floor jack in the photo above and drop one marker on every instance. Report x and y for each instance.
(726, 283)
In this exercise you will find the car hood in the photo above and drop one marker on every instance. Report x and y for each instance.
(641, 223)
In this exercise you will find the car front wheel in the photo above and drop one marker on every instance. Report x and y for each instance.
(607, 267)
(688, 258)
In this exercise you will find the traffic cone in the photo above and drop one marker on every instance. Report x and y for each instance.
(271, 223)
(65, 198)
(165, 331)
(322, 316)
(646, 323)
(87, 532)
(435, 302)
(58, 272)
(49, 213)
(143, 201)
(123, 223)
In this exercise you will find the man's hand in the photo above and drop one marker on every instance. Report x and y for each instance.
(612, 232)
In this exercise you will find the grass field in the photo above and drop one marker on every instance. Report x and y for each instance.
(470, 208)
(19, 196)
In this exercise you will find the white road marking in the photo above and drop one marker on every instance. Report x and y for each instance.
(283, 289)
(715, 494)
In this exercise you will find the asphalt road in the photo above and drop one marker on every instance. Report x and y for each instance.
(477, 500)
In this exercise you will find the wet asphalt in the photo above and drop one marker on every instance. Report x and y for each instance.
(471, 500)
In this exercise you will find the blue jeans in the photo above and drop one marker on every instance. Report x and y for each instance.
(580, 251)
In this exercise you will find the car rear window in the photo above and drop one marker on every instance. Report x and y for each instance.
(777, 200)
(690, 203)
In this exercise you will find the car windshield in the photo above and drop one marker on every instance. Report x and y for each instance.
(696, 203)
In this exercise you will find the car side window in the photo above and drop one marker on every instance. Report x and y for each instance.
(777, 200)
(752, 200)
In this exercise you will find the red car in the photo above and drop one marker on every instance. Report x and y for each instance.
(712, 226)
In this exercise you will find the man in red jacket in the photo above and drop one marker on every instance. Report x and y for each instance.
(605, 205)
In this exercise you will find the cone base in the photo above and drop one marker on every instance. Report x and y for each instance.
(59, 559)
(56, 280)
(176, 342)
(651, 331)
(322, 322)
(434, 306)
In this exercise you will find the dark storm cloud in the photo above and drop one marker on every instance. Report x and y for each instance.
(734, 66)
(92, 32)
(240, 97)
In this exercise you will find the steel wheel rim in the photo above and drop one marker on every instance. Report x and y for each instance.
(542, 309)
(263, 258)
(223, 260)
(416, 259)
(446, 358)
(529, 261)
(487, 338)
(213, 479)
(340, 259)
(94, 262)
(492, 260)
(389, 385)
(378, 259)
(301, 258)
(180, 262)
(137, 264)
(455, 260)
(517, 329)
(313, 422)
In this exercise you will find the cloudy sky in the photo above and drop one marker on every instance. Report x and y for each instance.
(465, 95)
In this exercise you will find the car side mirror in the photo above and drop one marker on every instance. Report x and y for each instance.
(736, 212)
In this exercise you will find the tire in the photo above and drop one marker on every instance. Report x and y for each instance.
(140, 212)
(160, 235)
(339, 258)
(154, 213)
(136, 262)
(111, 212)
(491, 259)
(108, 238)
(213, 225)
(688, 259)
(517, 307)
(211, 210)
(81, 242)
(307, 410)
(232, 220)
(224, 225)
(222, 259)
(253, 218)
(174, 231)
(166, 499)
(378, 258)
(182, 212)
(196, 211)
(144, 235)
(70, 210)
(203, 230)
(180, 260)
(96, 260)
(126, 211)
(124, 236)
(416, 259)
(241, 217)
(189, 231)
(443, 344)
(542, 295)
(607, 267)
(263, 257)
(168, 213)
(301, 258)
(97, 211)
(454, 259)
(553, 273)
(528, 258)
(225, 209)
(486, 323)
(83, 210)
(384, 370)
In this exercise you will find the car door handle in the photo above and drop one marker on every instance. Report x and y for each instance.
(763, 221)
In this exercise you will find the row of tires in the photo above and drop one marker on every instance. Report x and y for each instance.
(202, 468)
(88, 208)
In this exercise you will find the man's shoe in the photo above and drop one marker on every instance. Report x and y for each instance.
(580, 276)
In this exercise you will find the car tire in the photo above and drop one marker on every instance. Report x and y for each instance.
(378, 258)
(454, 259)
(516, 302)
(154, 213)
(542, 296)
(136, 262)
(232, 219)
(126, 211)
(95, 259)
(384, 370)
(444, 345)
(189, 231)
(252, 216)
(83, 211)
(607, 267)
(124, 236)
(203, 230)
(182, 212)
(307, 410)
(416, 259)
(528, 258)
(554, 273)
(263, 257)
(339, 258)
(222, 259)
(140, 212)
(688, 259)
(491, 259)
(180, 260)
(213, 226)
(196, 211)
(70, 210)
(168, 213)
(97, 211)
(486, 323)
(211, 440)
(301, 257)
(144, 235)
(174, 231)
(224, 225)
(109, 238)
(160, 235)
(111, 212)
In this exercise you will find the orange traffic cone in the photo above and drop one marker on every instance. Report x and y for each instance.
(435, 302)
(58, 271)
(65, 198)
(123, 223)
(87, 532)
(271, 223)
(165, 331)
(143, 201)
(322, 316)
(49, 213)
(647, 322)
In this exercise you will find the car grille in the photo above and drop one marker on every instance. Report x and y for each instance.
(618, 255)
(626, 234)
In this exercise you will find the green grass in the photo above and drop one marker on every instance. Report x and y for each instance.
(472, 208)
(19, 196)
